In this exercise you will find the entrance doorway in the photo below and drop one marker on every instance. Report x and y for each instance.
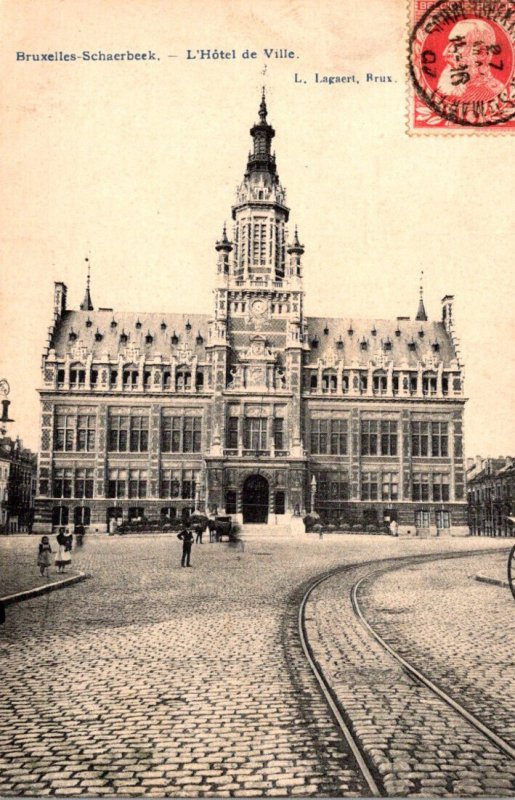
(255, 499)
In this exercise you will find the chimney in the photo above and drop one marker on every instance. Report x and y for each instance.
(60, 292)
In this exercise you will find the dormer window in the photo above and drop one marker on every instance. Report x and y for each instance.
(314, 343)
(138, 324)
(149, 338)
(72, 336)
(363, 344)
(113, 323)
(88, 323)
(421, 333)
(412, 345)
(397, 331)
(98, 336)
(339, 344)
(374, 331)
(350, 331)
(163, 326)
(199, 339)
(326, 330)
(174, 338)
(123, 338)
(436, 347)
(387, 346)
(188, 326)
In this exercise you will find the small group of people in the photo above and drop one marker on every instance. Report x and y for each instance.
(63, 556)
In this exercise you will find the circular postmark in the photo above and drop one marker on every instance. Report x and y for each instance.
(462, 59)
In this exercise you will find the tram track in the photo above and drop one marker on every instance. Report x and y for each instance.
(343, 719)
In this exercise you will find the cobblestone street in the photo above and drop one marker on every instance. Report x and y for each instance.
(149, 679)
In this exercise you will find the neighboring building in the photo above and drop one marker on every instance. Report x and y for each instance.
(491, 496)
(18, 469)
(235, 413)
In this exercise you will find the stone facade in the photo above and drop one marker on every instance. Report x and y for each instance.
(237, 412)
(491, 496)
(18, 471)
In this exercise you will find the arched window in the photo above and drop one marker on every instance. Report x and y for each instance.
(183, 379)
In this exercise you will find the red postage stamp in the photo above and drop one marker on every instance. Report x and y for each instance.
(461, 65)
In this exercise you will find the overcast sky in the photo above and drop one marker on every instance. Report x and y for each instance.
(135, 164)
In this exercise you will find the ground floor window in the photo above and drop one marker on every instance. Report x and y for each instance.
(82, 515)
(422, 519)
(59, 515)
(170, 512)
(136, 512)
(443, 519)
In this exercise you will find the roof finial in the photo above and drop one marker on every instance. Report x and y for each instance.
(87, 304)
(262, 108)
(421, 313)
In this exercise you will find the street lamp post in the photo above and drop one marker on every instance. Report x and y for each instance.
(313, 492)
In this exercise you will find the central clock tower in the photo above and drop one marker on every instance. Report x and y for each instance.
(259, 272)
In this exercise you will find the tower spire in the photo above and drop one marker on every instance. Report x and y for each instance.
(421, 313)
(261, 160)
(87, 304)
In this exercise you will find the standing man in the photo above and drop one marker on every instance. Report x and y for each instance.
(187, 540)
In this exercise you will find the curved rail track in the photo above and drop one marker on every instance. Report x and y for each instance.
(364, 762)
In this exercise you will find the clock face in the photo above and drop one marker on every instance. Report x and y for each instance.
(259, 306)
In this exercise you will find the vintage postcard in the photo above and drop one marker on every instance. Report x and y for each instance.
(256, 383)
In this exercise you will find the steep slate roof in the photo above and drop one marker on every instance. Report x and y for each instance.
(77, 322)
(400, 354)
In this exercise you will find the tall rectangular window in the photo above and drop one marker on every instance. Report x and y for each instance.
(420, 438)
(181, 434)
(139, 434)
(64, 432)
(170, 483)
(190, 479)
(319, 435)
(192, 434)
(441, 491)
(86, 424)
(119, 433)
(338, 437)
(63, 482)
(429, 439)
(84, 482)
(254, 433)
(137, 483)
(117, 483)
(232, 433)
(420, 487)
(439, 439)
(369, 486)
(388, 437)
(390, 486)
(369, 437)
(279, 433)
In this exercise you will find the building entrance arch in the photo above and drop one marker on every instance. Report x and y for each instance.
(254, 499)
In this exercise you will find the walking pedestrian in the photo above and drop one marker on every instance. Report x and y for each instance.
(187, 537)
(63, 555)
(44, 551)
(200, 531)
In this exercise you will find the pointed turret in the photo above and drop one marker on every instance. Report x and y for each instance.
(224, 244)
(421, 313)
(87, 304)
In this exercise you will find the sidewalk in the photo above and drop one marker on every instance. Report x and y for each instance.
(19, 571)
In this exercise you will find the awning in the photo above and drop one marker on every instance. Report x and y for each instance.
(511, 519)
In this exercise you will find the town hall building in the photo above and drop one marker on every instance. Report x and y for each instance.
(256, 410)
